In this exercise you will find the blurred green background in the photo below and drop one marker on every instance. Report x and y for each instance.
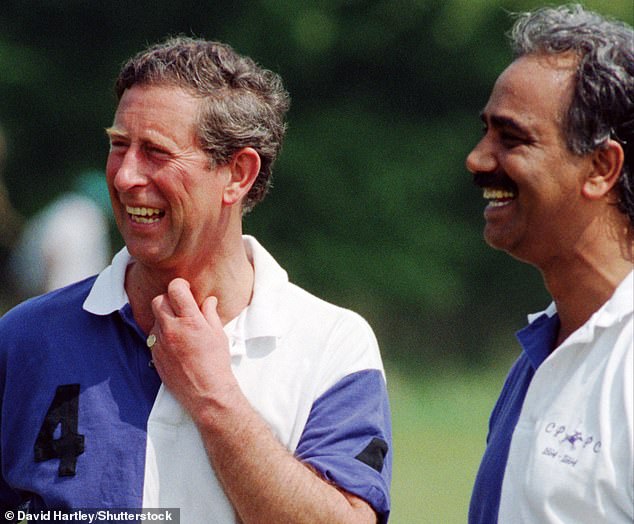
(371, 207)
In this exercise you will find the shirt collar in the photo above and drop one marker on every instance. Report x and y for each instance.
(538, 338)
(108, 292)
(620, 305)
(261, 318)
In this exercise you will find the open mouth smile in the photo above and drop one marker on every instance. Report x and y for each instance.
(144, 215)
(497, 188)
(498, 197)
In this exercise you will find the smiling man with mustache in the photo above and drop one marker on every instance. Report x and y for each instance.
(555, 165)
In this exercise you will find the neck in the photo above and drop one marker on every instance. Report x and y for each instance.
(582, 282)
(228, 276)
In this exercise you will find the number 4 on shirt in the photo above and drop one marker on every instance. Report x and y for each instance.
(63, 413)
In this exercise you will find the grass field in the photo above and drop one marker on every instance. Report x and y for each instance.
(440, 424)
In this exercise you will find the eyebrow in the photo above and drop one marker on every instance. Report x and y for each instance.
(114, 132)
(157, 140)
(503, 122)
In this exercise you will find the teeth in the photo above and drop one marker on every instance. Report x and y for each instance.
(142, 211)
(497, 194)
(498, 203)
(143, 220)
(139, 214)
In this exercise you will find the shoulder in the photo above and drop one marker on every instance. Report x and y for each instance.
(337, 340)
(616, 348)
(607, 347)
(302, 304)
(331, 326)
(37, 314)
(45, 338)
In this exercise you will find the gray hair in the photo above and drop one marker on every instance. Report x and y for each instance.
(244, 105)
(602, 105)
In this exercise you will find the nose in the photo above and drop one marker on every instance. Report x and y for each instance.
(482, 158)
(126, 169)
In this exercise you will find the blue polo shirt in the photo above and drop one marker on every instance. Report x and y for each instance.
(75, 394)
(537, 340)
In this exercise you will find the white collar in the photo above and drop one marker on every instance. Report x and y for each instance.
(108, 292)
(261, 318)
(619, 305)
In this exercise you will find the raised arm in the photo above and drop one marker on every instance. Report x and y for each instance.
(263, 480)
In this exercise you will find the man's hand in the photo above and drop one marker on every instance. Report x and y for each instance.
(191, 353)
(263, 480)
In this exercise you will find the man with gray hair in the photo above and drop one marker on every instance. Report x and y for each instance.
(191, 373)
(556, 166)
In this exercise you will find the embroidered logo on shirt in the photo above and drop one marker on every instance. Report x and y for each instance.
(568, 445)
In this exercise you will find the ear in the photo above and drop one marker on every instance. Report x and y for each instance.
(607, 162)
(244, 166)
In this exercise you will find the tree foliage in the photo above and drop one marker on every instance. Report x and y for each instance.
(371, 206)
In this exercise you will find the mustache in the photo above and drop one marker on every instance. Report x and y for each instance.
(498, 180)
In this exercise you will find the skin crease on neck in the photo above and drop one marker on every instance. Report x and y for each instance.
(155, 162)
(562, 218)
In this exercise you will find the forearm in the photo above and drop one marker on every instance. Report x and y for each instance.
(263, 480)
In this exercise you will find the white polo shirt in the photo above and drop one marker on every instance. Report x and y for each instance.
(572, 453)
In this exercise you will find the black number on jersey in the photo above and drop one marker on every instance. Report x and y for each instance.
(63, 413)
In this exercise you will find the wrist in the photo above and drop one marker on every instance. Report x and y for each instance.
(225, 409)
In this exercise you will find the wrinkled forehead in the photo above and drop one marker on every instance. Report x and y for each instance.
(164, 111)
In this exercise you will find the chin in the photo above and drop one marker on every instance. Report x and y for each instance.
(513, 249)
(501, 242)
(144, 253)
(496, 240)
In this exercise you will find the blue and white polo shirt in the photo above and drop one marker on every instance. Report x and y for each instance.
(560, 446)
(86, 423)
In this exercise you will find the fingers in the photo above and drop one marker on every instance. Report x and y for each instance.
(210, 312)
(179, 302)
(190, 350)
(181, 299)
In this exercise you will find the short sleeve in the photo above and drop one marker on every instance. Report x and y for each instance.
(348, 438)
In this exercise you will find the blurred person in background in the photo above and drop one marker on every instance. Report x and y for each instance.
(66, 241)
(10, 227)
(556, 166)
(191, 373)
(63, 243)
